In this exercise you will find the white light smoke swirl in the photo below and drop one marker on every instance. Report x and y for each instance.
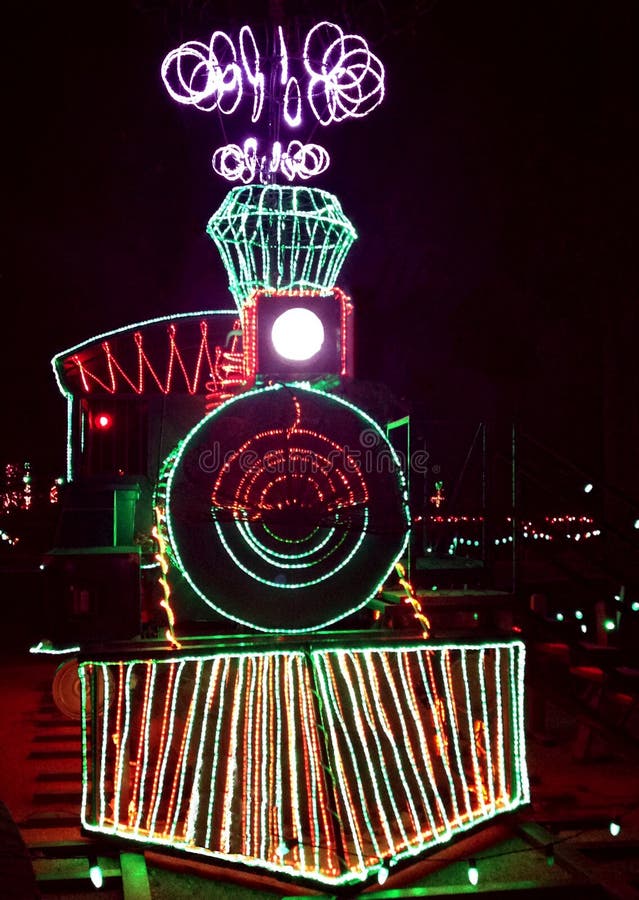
(347, 80)
(252, 69)
(203, 76)
(245, 164)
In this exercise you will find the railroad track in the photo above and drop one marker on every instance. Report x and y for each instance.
(61, 856)
(49, 765)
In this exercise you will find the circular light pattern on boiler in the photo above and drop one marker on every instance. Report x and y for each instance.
(297, 334)
(272, 520)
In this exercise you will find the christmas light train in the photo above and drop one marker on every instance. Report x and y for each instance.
(221, 478)
(234, 444)
(284, 498)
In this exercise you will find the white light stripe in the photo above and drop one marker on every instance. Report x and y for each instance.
(500, 724)
(322, 667)
(184, 767)
(146, 748)
(383, 659)
(215, 755)
(441, 736)
(167, 746)
(361, 733)
(105, 739)
(486, 729)
(479, 783)
(231, 767)
(423, 743)
(194, 805)
(454, 733)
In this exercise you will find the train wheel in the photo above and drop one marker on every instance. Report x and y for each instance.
(67, 690)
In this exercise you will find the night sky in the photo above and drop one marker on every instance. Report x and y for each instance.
(492, 192)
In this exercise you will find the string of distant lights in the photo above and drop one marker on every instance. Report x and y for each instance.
(614, 827)
(454, 519)
(280, 237)
(17, 492)
(397, 791)
(11, 541)
(344, 78)
(246, 164)
(54, 490)
(567, 527)
(28, 489)
(623, 605)
(18, 488)
(438, 497)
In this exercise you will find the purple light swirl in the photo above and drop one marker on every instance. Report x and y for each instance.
(347, 80)
(246, 164)
(203, 75)
(341, 77)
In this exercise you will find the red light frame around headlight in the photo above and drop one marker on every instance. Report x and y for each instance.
(251, 334)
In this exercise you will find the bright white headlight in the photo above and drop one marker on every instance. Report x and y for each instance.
(297, 334)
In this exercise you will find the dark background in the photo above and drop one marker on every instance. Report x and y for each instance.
(493, 193)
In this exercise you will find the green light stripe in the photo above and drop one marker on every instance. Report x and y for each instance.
(264, 552)
(146, 749)
(361, 732)
(321, 665)
(500, 724)
(289, 566)
(438, 729)
(486, 729)
(167, 748)
(453, 731)
(184, 767)
(194, 805)
(215, 756)
(441, 831)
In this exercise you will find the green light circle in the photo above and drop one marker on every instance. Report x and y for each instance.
(339, 589)
(284, 566)
(277, 537)
(264, 551)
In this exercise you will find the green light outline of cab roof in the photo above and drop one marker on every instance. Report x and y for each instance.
(108, 334)
(169, 484)
(68, 395)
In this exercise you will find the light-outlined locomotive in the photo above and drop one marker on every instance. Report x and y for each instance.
(220, 473)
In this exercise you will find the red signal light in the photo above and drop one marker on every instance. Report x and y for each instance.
(103, 421)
